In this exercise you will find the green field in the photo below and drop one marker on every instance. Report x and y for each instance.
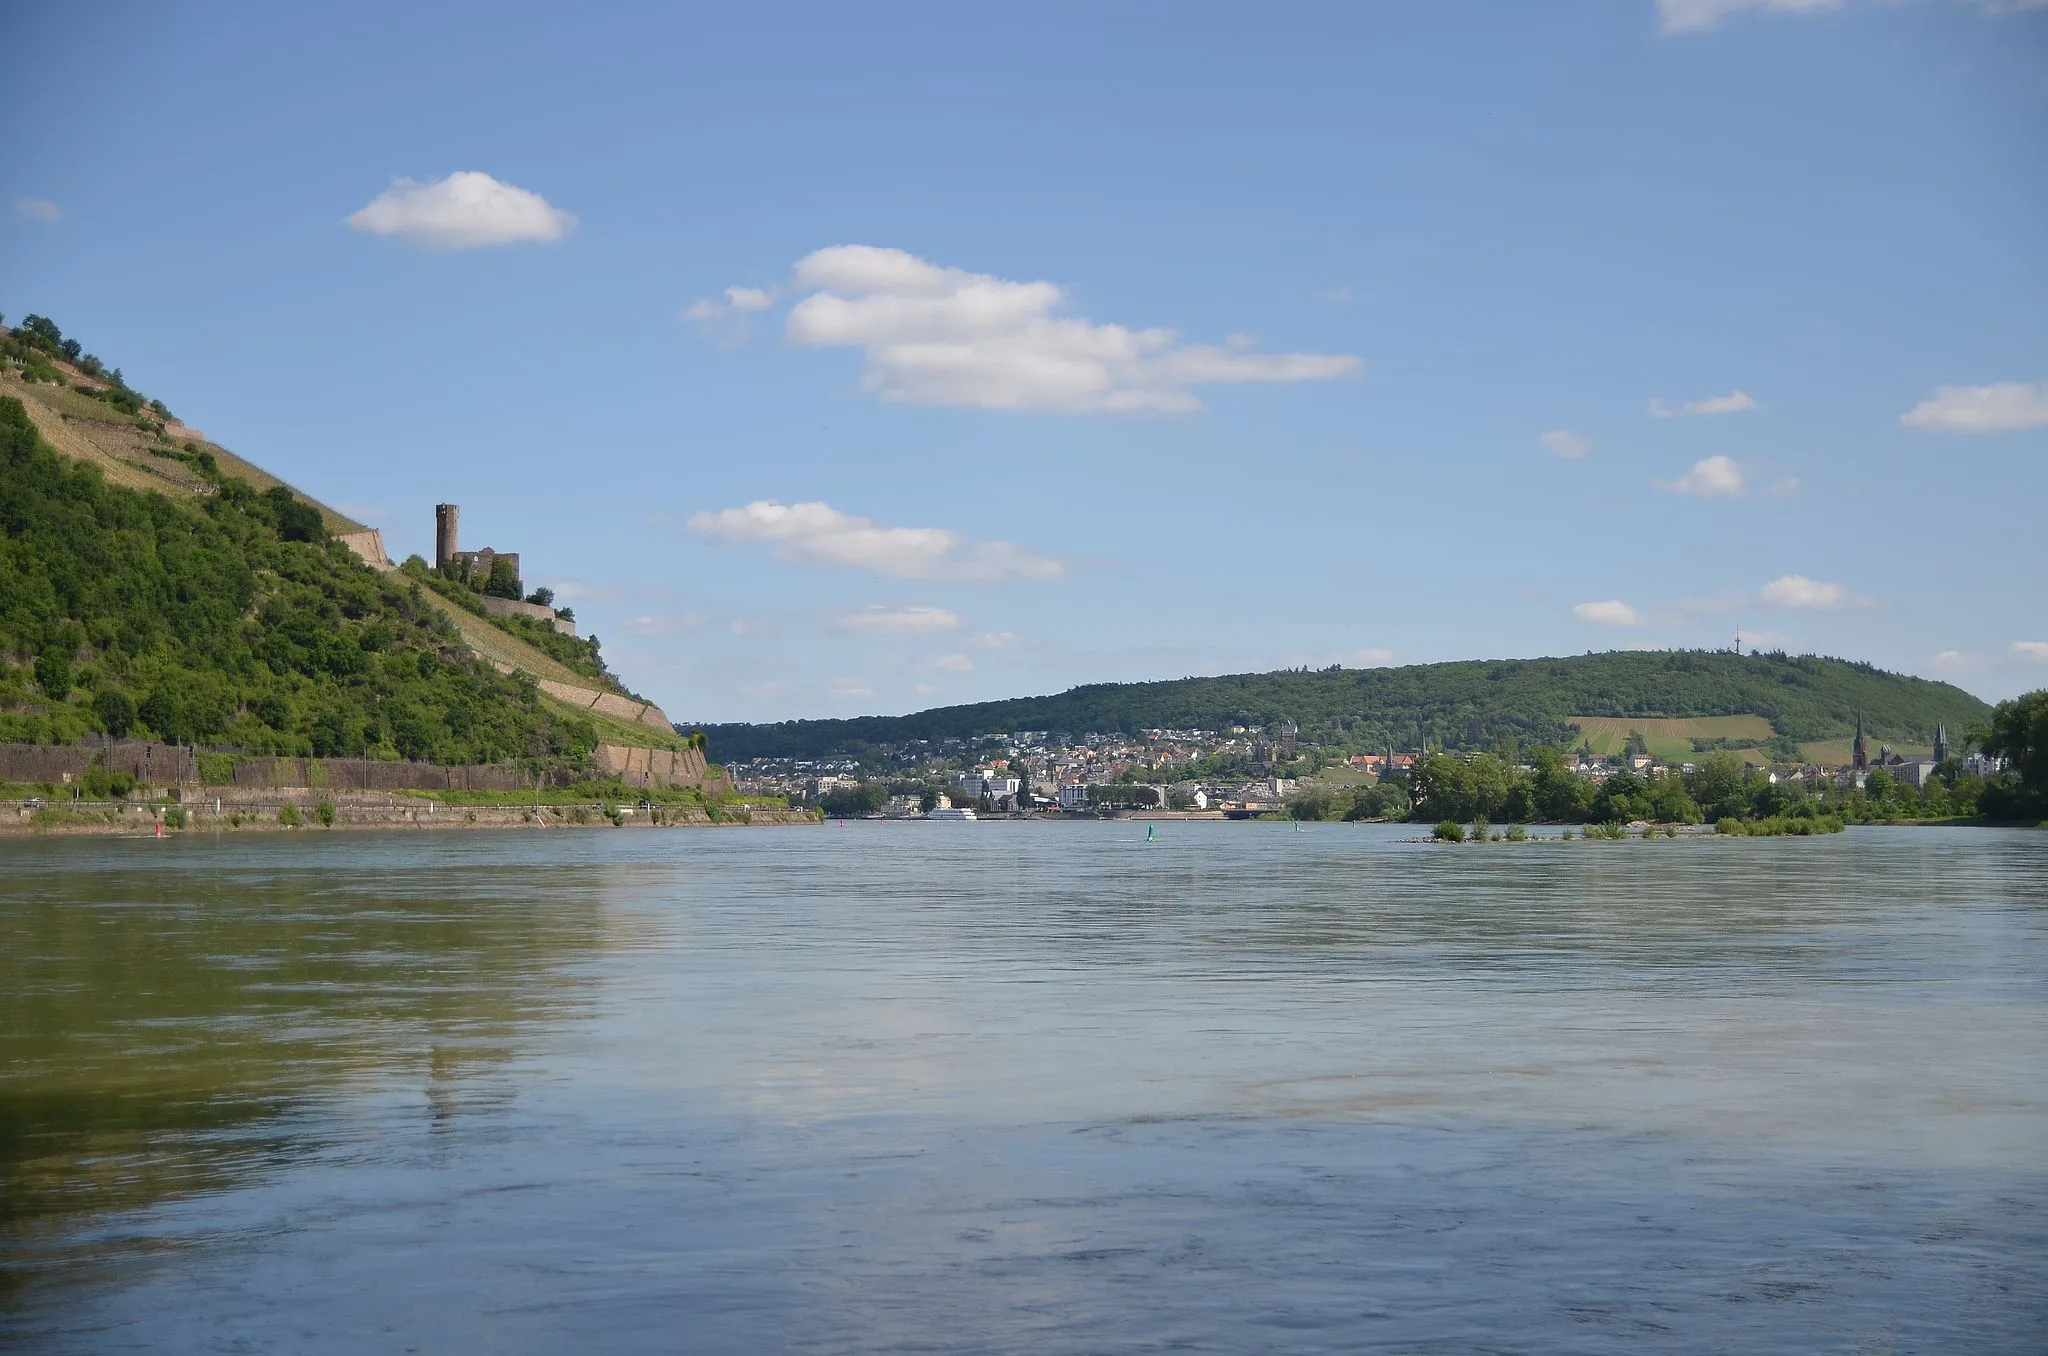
(1670, 740)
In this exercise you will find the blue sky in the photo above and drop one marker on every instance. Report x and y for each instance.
(847, 359)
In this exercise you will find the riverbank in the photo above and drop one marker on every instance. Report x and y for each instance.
(286, 812)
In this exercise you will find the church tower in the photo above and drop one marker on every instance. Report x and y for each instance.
(1859, 755)
(1941, 743)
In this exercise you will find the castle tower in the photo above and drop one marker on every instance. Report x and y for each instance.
(447, 517)
(1941, 743)
(1859, 755)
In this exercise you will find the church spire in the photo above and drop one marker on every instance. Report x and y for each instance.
(1859, 756)
(1941, 743)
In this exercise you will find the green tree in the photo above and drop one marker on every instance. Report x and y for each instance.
(116, 710)
(2018, 733)
(503, 582)
(53, 673)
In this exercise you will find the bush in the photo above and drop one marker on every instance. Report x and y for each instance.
(174, 818)
(324, 812)
(1450, 831)
(288, 815)
(1516, 833)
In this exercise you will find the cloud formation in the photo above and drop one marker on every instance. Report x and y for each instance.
(897, 621)
(815, 533)
(1613, 612)
(466, 210)
(1710, 478)
(1562, 442)
(2035, 650)
(997, 640)
(1735, 402)
(1796, 590)
(1698, 16)
(2002, 407)
(934, 335)
(953, 663)
(38, 209)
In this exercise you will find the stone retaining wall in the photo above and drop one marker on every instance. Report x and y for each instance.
(611, 703)
(174, 765)
(510, 607)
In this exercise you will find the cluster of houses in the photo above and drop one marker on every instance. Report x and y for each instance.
(1035, 771)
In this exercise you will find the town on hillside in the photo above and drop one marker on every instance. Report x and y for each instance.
(1244, 773)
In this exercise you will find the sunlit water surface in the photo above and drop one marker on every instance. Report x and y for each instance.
(1024, 1087)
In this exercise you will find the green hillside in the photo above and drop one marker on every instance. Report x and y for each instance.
(155, 586)
(1464, 705)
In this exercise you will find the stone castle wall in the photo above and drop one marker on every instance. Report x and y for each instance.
(508, 607)
(610, 703)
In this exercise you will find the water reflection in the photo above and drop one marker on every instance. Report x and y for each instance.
(1054, 1088)
(171, 1018)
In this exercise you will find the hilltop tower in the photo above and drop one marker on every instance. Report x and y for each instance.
(447, 518)
(1941, 743)
(1859, 753)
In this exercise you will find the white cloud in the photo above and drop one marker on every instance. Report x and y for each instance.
(2036, 650)
(1697, 16)
(1796, 590)
(997, 640)
(1613, 612)
(1735, 402)
(1709, 478)
(38, 209)
(897, 621)
(463, 211)
(1567, 444)
(1999, 408)
(1957, 661)
(850, 689)
(1785, 487)
(737, 301)
(925, 690)
(815, 533)
(954, 663)
(933, 335)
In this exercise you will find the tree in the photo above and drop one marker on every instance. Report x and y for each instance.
(53, 673)
(2018, 733)
(116, 710)
(542, 596)
(504, 581)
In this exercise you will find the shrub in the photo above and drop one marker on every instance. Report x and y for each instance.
(174, 818)
(1568, 831)
(324, 812)
(1450, 831)
(1480, 829)
(288, 815)
(1516, 833)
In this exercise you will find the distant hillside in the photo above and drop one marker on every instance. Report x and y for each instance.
(154, 585)
(1462, 705)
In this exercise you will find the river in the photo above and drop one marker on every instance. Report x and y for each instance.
(1024, 1087)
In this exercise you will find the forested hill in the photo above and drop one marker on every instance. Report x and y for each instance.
(1464, 705)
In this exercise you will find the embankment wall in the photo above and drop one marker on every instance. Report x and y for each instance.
(175, 765)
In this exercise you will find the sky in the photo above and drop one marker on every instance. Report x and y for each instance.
(834, 359)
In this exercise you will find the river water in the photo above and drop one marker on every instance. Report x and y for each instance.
(1024, 1087)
